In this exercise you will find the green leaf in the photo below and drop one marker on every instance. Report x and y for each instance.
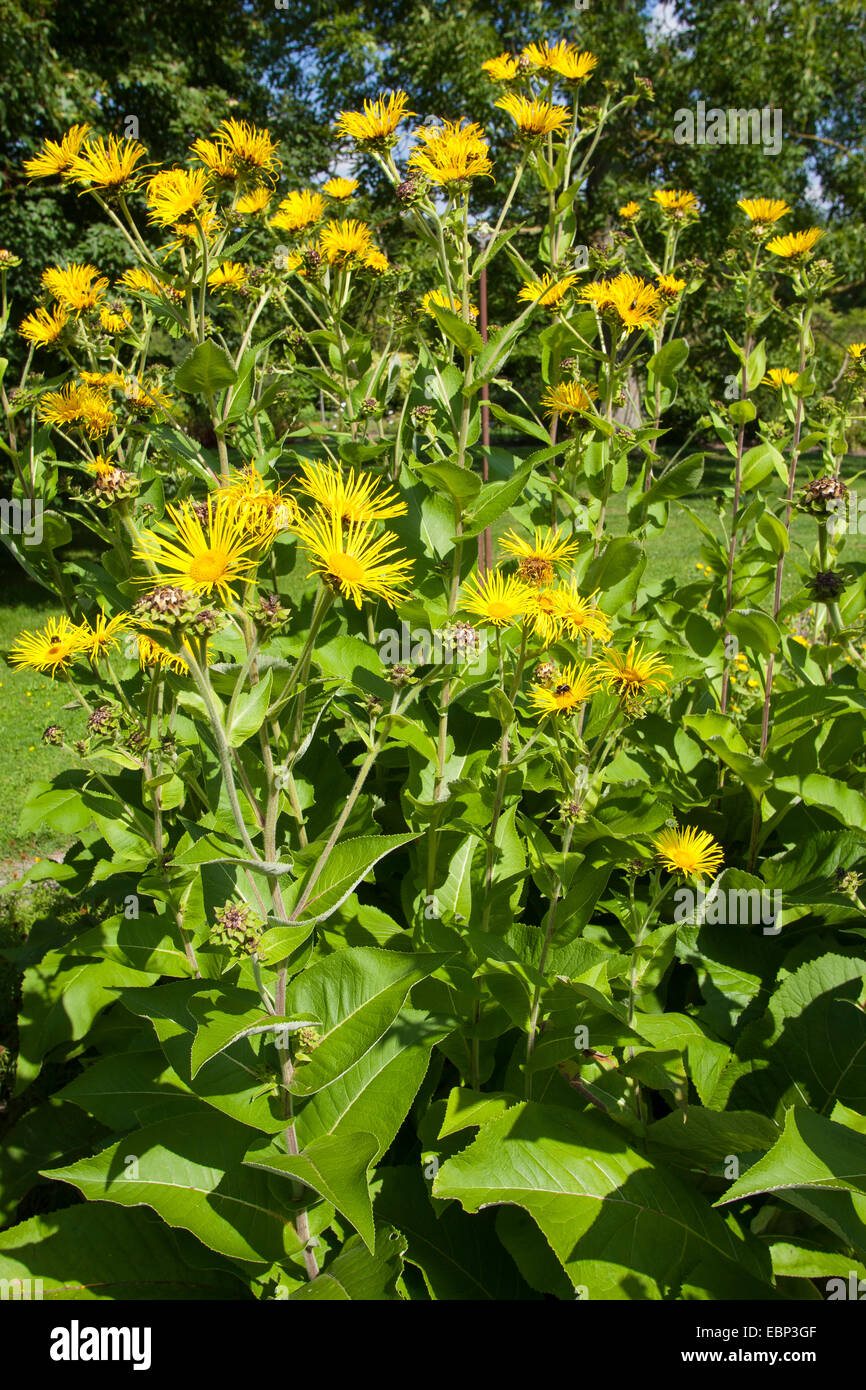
(336, 1167)
(224, 1016)
(519, 422)
(206, 370)
(250, 711)
(755, 629)
(681, 480)
(496, 498)
(812, 1152)
(347, 864)
(845, 804)
(616, 572)
(662, 370)
(356, 1275)
(463, 335)
(720, 734)
(758, 463)
(461, 484)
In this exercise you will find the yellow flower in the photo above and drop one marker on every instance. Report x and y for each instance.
(634, 675)
(200, 558)
(147, 398)
(691, 853)
(187, 233)
(495, 598)
(377, 123)
(51, 650)
(778, 377)
(344, 242)
(376, 261)
(114, 320)
(79, 405)
(108, 164)
(257, 200)
(218, 157)
(561, 58)
(763, 209)
(228, 276)
(43, 328)
(856, 350)
(339, 189)
(102, 378)
(580, 617)
(629, 211)
(451, 153)
(55, 158)
(355, 561)
(501, 69)
(795, 243)
(352, 501)
(173, 194)
(539, 557)
(675, 201)
(568, 398)
(571, 687)
(99, 638)
(542, 612)
(442, 299)
(299, 210)
(547, 291)
(262, 511)
(636, 303)
(137, 279)
(534, 119)
(150, 654)
(73, 285)
(251, 149)
(670, 286)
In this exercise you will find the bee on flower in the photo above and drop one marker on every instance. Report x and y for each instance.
(540, 557)
(51, 649)
(627, 298)
(563, 695)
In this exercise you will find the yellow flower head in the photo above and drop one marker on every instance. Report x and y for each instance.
(263, 512)
(56, 157)
(542, 611)
(104, 634)
(452, 153)
(353, 560)
(580, 617)
(690, 853)
(147, 398)
(106, 164)
(151, 654)
(50, 650)
(217, 157)
(501, 69)
(763, 209)
(856, 350)
(190, 233)
(299, 210)
(676, 202)
(563, 59)
(570, 688)
(495, 598)
(340, 189)
(352, 501)
(636, 304)
(378, 121)
(796, 244)
(228, 276)
(174, 194)
(568, 398)
(139, 280)
(633, 675)
(257, 200)
(80, 405)
(113, 319)
(75, 286)
(43, 328)
(534, 119)
(252, 150)
(344, 242)
(198, 556)
(629, 211)
(669, 286)
(376, 261)
(548, 291)
(539, 557)
(778, 377)
(442, 299)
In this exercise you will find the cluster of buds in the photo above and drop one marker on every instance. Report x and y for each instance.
(422, 416)
(368, 407)
(826, 585)
(136, 740)
(570, 812)
(268, 614)
(53, 735)
(459, 641)
(114, 485)
(8, 260)
(411, 191)
(544, 673)
(848, 881)
(821, 497)
(313, 263)
(373, 706)
(236, 929)
(399, 675)
(167, 605)
(306, 1042)
(101, 721)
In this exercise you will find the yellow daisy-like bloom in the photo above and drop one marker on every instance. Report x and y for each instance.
(56, 157)
(670, 286)
(228, 276)
(778, 377)
(75, 286)
(251, 149)
(535, 119)
(547, 291)
(856, 350)
(137, 279)
(568, 398)
(561, 58)
(633, 675)
(173, 194)
(495, 598)
(151, 654)
(107, 164)
(452, 153)
(377, 122)
(763, 209)
(344, 242)
(340, 189)
(502, 69)
(299, 210)
(201, 558)
(114, 320)
(43, 328)
(102, 378)
(217, 157)
(352, 501)
(629, 211)
(263, 512)
(354, 561)
(542, 612)
(80, 405)
(580, 617)
(147, 397)
(101, 467)
(637, 304)
(50, 650)
(376, 261)
(257, 200)
(539, 557)
(190, 233)
(104, 634)
(445, 302)
(675, 201)
(571, 687)
(795, 243)
(690, 853)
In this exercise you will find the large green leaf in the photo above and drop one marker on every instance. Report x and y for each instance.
(336, 1167)
(128, 1090)
(356, 1275)
(206, 370)
(812, 1152)
(347, 864)
(225, 1015)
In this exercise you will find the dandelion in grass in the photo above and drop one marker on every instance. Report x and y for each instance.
(340, 189)
(44, 327)
(354, 561)
(568, 398)
(677, 203)
(580, 617)
(689, 853)
(634, 675)
(540, 557)
(549, 291)
(777, 377)
(99, 638)
(201, 554)
(495, 598)
(77, 404)
(377, 123)
(355, 501)
(502, 69)
(763, 210)
(228, 277)
(535, 119)
(299, 210)
(452, 153)
(174, 194)
(566, 692)
(56, 157)
(109, 164)
(257, 200)
(345, 242)
(152, 655)
(444, 301)
(51, 649)
(77, 287)
(795, 245)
